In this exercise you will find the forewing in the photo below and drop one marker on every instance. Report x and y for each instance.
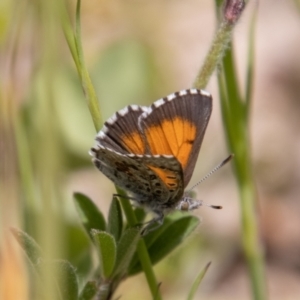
(121, 133)
(175, 125)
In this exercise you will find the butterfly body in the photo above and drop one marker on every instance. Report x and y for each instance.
(152, 151)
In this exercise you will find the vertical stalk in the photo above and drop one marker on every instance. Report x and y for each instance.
(141, 249)
(235, 118)
(235, 111)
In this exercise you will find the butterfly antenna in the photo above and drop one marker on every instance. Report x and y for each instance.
(219, 166)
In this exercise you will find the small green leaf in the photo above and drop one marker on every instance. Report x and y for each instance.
(170, 235)
(115, 219)
(67, 280)
(106, 246)
(151, 237)
(89, 214)
(60, 277)
(77, 247)
(89, 291)
(29, 245)
(197, 282)
(125, 250)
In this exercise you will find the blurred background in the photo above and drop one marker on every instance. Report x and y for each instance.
(138, 51)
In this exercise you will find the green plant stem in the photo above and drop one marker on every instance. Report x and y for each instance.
(235, 117)
(252, 247)
(69, 36)
(214, 56)
(87, 85)
(251, 240)
(141, 249)
(75, 45)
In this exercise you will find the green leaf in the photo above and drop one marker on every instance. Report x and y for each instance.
(89, 291)
(107, 248)
(115, 219)
(125, 250)
(77, 248)
(89, 214)
(172, 236)
(29, 245)
(197, 282)
(67, 280)
(151, 237)
(165, 239)
(58, 278)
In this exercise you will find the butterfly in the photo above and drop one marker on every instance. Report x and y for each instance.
(151, 152)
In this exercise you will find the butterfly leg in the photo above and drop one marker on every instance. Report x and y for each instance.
(148, 225)
(158, 221)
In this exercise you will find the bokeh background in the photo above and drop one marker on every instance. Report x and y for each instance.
(138, 51)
